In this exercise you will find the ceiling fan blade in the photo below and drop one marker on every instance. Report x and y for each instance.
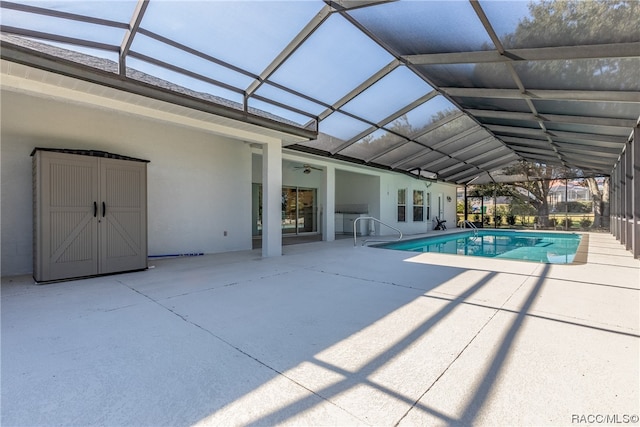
(307, 168)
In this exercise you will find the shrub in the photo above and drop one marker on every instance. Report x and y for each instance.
(511, 219)
(573, 207)
(585, 222)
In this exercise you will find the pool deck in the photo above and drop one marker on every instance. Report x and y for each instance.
(328, 334)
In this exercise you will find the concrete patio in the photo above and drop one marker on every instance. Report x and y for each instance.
(328, 334)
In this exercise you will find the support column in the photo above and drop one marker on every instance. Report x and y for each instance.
(465, 211)
(329, 203)
(618, 200)
(635, 193)
(623, 194)
(629, 195)
(495, 206)
(613, 202)
(271, 199)
(566, 204)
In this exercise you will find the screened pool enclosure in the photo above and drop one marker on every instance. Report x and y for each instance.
(443, 90)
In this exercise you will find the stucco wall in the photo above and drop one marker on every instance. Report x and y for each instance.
(370, 186)
(358, 189)
(199, 184)
(389, 196)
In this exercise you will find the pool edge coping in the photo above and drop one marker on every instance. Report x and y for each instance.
(581, 257)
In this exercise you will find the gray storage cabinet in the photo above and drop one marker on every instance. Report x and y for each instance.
(90, 214)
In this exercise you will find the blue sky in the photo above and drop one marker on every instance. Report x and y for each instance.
(250, 34)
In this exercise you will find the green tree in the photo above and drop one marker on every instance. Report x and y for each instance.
(576, 22)
(532, 190)
(600, 197)
(536, 189)
(554, 23)
(573, 23)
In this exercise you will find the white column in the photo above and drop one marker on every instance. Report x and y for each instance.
(271, 199)
(623, 196)
(329, 205)
(629, 195)
(635, 192)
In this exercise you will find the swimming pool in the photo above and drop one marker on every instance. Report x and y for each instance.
(543, 247)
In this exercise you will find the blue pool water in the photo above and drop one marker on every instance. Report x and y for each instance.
(549, 248)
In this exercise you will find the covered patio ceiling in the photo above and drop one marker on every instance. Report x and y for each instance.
(448, 90)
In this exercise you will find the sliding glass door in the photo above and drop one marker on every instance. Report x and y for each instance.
(299, 210)
(289, 211)
(307, 221)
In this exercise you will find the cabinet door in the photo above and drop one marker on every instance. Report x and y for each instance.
(66, 228)
(122, 216)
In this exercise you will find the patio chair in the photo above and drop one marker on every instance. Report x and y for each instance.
(440, 224)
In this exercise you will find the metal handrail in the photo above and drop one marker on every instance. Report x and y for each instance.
(472, 225)
(355, 240)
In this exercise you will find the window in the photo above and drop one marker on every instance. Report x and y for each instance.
(402, 205)
(428, 206)
(418, 205)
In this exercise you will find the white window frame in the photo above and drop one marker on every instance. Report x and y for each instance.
(402, 205)
(420, 206)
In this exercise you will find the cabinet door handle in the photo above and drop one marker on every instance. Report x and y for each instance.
(95, 209)
(104, 209)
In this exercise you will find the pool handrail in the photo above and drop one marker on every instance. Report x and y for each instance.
(370, 218)
(471, 225)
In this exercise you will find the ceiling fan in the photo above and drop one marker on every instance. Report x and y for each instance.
(306, 168)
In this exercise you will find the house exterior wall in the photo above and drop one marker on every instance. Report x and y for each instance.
(199, 184)
(358, 189)
(389, 195)
(376, 188)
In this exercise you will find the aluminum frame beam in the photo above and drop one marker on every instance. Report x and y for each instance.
(20, 55)
(360, 88)
(466, 173)
(127, 40)
(297, 41)
(58, 38)
(553, 118)
(559, 95)
(62, 15)
(612, 50)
